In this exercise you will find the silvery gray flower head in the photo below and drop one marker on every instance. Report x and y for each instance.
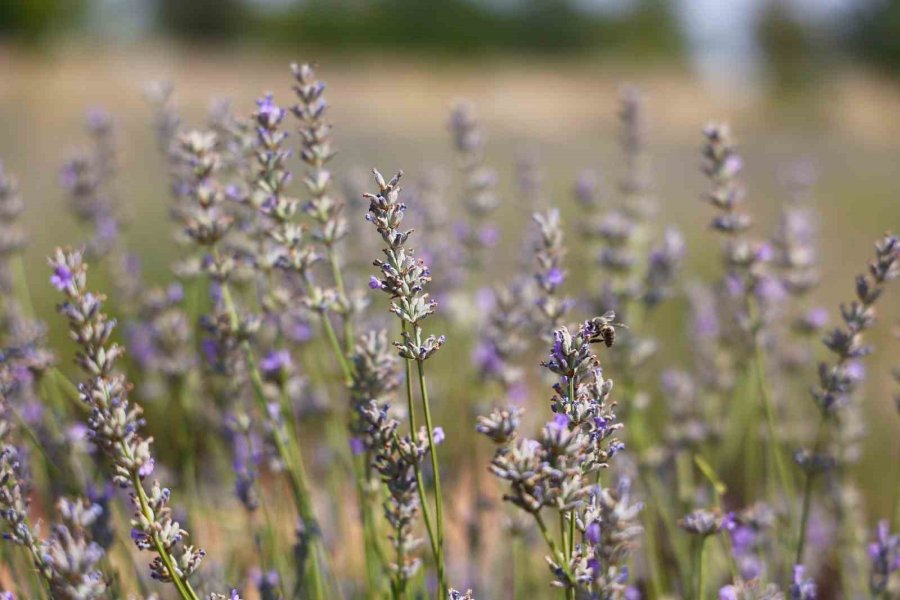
(12, 237)
(479, 181)
(14, 498)
(70, 555)
(796, 254)
(68, 559)
(456, 595)
(750, 590)
(115, 423)
(702, 522)
(203, 214)
(501, 426)
(234, 595)
(403, 277)
(375, 378)
(610, 529)
(635, 183)
(166, 120)
(397, 460)
(589, 410)
(324, 206)
(551, 274)
(721, 165)
(287, 246)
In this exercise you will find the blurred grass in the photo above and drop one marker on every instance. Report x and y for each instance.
(391, 113)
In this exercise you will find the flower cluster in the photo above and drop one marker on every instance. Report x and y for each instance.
(479, 181)
(115, 423)
(204, 216)
(398, 460)
(324, 206)
(375, 378)
(68, 559)
(884, 557)
(552, 471)
(403, 277)
(12, 238)
(837, 382)
(550, 274)
(86, 179)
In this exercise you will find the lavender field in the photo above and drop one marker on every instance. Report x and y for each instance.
(399, 328)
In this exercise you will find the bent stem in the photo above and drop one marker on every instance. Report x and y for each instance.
(438, 502)
(420, 484)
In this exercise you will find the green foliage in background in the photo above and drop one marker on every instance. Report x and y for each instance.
(874, 34)
(33, 20)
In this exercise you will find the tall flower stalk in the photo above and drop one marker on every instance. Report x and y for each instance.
(115, 426)
(324, 206)
(746, 284)
(838, 381)
(404, 278)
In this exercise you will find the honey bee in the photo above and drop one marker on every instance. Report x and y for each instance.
(606, 329)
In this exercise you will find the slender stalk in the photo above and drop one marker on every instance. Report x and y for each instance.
(438, 496)
(21, 285)
(339, 284)
(557, 556)
(699, 558)
(420, 484)
(336, 346)
(807, 495)
(784, 478)
(563, 538)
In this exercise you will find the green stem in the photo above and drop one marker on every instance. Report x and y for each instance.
(557, 556)
(339, 284)
(21, 286)
(336, 346)
(563, 538)
(784, 478)
(701, 583)
(420, 484)
(438, 496)
(807, 495)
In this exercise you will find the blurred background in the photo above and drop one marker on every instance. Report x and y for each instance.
(815, 81)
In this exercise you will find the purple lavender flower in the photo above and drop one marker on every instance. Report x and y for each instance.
(884, 558)
(275, 364)
(61, 277)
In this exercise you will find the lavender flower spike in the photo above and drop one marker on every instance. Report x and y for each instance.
(404, 279)
(115, 427)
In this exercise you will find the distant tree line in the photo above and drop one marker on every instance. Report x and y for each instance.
(795, 50)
